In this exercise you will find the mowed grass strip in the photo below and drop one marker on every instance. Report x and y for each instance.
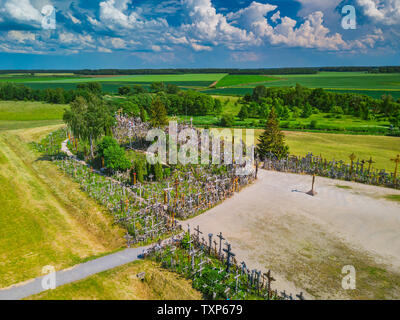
(44, 218)
(122, 283)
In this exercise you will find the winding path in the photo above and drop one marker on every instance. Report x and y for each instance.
(78, 272)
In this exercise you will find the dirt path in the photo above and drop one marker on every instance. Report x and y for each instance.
(307, 240)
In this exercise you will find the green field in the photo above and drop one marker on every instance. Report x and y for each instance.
(374, 85)
(207, 77)
(30, 111)
(234, 80)
(340, 146)
(112, 83)
(122, 283)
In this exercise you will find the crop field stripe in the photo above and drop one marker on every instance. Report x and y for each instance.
(146, 78)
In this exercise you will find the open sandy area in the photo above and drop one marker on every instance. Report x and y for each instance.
(306, 241)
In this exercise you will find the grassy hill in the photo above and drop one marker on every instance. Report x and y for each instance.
(44, 218)
(122, 283)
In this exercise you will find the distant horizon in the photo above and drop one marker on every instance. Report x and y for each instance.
(207, 68)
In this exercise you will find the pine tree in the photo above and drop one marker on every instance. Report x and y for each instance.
(272, 140)
(158, 114)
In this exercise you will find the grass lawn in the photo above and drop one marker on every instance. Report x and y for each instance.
(44, 218)
(122, 283)
(340, 146)
(30, 111)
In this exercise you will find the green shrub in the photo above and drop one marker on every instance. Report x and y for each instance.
(115, 158)
(227, 120)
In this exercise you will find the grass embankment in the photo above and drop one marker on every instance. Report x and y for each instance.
(122, 283)
(45, 219)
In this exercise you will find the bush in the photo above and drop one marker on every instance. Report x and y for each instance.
(227, 120)
(104, 144)
(313, 124)
(115, 158)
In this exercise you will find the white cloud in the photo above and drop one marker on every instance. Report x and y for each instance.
(21, 36)
(113, 17)
(22, 10)
(212, 27)
(73, 19)
(386, 12)
(311, 34)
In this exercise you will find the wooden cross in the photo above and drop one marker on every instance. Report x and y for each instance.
(220, 242)
(210, 235)
(300, 296)
(229, 254)
(396, 161)
(312, 192)
(215, 246)
(352, 157)
(269, 279)
(370, 162)
(198, 233)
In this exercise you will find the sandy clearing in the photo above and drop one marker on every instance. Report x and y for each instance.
(307, 240)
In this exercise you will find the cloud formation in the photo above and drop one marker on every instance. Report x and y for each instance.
(196, 25)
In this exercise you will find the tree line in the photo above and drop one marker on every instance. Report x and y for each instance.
(140, 102)
(302, 102)
(13, 91)
(238, 71)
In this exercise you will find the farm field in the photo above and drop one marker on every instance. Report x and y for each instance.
(122, 283)
(45, 218)
(374, 85)
(112, 83)
(30, 111)
(233, 80)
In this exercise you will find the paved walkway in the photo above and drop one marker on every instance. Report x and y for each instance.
(78, 272)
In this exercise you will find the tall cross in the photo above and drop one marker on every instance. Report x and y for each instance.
(220, 242)
(210, 235)
(229, 254)
(370, 162)
(396, 161)
(198, 233)
(352, 157)
(269, 279)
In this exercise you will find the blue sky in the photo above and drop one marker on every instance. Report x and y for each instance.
(197, 33)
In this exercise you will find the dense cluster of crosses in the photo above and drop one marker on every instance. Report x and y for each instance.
(358, 171)
(149, 209)
(213, 267)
